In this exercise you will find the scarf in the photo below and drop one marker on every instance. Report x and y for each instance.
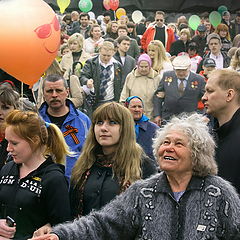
(137, 122)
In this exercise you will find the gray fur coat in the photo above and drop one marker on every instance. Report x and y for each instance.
(208, 209)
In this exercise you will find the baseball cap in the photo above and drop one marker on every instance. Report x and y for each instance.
(201, 28)
(181, 62)
(209, 62)
(213, 35)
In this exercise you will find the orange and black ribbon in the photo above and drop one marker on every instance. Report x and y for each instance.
(72, 131)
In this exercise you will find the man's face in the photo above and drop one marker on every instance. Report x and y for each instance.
(105, 55)
(55, 94)
(182, 73)
(214, 46)
(84, 21)
(215, 97)
(107, 19)
(122, 32)
(202, 34)
(226, 17)
(238, 19)
(124, 46)
(144, 68)
(159, 19)
(208, 70)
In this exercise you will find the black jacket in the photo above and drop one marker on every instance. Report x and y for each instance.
(226, 61)
(178, 47)
(101, 187)
(227, 151)
(39, 198)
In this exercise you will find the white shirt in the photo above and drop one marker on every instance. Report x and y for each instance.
(218, 59)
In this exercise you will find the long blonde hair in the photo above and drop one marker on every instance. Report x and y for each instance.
(235, 61)
(127, 157)
(160, 55)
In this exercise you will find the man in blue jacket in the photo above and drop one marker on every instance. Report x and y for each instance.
(59, 110)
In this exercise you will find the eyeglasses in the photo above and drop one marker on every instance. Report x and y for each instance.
(45, 30)
(159, 20)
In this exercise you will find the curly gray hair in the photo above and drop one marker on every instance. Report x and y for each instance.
(201, 143)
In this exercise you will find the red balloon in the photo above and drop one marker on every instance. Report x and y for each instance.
(114, 4)
(106, 4)
(30, 38)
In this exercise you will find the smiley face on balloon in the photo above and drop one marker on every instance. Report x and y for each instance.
(30, 38)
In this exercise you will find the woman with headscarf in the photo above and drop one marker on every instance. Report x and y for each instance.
(145, 130)
(143, 81)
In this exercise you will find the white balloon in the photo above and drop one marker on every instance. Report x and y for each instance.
(92, 15)
(100, 17)
(137, 16)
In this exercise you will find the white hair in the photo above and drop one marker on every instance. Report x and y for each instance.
(201, 143)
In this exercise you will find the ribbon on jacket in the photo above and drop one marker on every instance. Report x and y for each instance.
(72, 131)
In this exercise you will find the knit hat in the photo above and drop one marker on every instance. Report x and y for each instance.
(144, 57)
(212, 36)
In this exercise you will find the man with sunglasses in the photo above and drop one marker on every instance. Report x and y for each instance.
(158, 31)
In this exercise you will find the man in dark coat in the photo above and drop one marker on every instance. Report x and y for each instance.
(179, 91)
(102, 75)
(127, 61)
(222, 101)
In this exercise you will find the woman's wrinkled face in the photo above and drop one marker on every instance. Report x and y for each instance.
(144, 68)
(174, 154)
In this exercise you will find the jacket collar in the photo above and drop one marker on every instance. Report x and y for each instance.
(162, 184)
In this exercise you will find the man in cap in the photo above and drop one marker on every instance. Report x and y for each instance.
(208, 66)
(179, 91)
(221, 58)
(222, 101)
(226, 20)
(201, 39)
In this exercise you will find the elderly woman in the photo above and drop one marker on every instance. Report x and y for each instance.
(145, 130)
(143, 81)
(185, 201)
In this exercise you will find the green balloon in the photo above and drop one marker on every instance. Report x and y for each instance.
(194, 21)
(215, 18)
(85, 5)
(222, 9)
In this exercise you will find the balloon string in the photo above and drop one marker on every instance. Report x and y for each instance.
(22, 94)
(115, 15)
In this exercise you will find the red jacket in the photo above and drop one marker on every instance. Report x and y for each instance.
(149, 34)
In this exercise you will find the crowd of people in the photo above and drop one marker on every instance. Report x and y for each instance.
(132, 125)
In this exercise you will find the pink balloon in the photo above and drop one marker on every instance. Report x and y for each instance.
(114, 4)
(106, 4)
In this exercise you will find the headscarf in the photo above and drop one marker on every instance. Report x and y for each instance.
(144, 118)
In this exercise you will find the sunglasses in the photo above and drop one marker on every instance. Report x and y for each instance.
(159, 20)
(45, 30)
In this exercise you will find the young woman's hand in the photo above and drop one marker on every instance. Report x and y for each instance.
(6, 232)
